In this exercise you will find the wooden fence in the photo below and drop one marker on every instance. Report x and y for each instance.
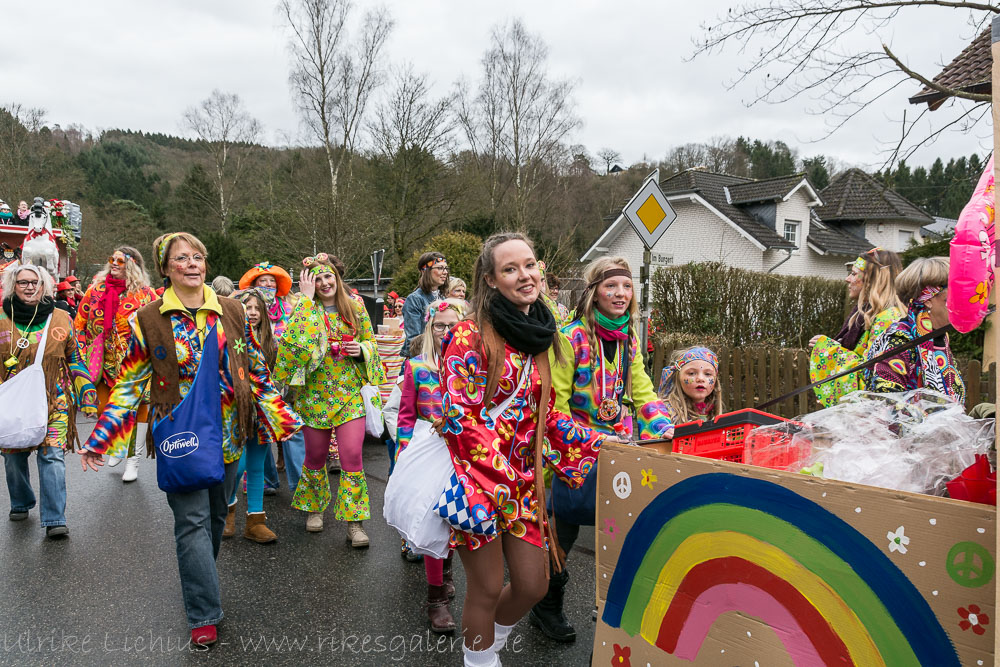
(750, 376)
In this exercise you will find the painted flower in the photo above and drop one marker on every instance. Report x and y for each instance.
(451, 414)
(460, 336)
(648, 478)
(611, 528)
(622, 656)
(897, 540)
(479, 453)
(572, 432)
(573, 453)
(973, 618)
(466, 380)
(981, 295)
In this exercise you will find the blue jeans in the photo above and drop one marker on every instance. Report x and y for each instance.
(295, 458)
(270, 470)
(199, 517)
(51, 483)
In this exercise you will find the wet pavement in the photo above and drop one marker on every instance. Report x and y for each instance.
(109, 594)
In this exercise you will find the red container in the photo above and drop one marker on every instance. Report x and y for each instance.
(723, 437)
(777, 450)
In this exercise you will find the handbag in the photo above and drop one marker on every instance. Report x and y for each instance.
(374, 424)
(421, 470)
(27, 425)
(93, 358)
(189, 440)
(453, 504)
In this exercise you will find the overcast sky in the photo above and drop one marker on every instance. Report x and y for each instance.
(138, 64)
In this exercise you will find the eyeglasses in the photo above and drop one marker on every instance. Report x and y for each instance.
(27, 283)
(117, 261)
(444, 267)
(184, 259)
(441, 327)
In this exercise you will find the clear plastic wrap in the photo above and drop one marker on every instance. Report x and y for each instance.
(912, 441)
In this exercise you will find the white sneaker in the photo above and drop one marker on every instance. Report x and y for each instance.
(131, 469)
(112, 461)
(314, 523)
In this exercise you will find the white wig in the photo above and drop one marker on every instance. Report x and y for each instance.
(11, 273)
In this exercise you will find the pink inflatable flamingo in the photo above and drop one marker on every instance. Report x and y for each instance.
(973, 256)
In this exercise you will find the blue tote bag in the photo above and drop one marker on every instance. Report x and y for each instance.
(189, 441)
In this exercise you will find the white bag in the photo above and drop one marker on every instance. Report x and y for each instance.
(27, 425)
(390, 413)
(421, 471)
(374, 424)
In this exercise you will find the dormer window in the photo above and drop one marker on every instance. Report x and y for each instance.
(792, 232)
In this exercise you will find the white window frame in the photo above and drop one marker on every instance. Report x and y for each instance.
(796, 229)
(904, 244)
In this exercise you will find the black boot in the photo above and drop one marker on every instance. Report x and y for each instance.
(548, 615)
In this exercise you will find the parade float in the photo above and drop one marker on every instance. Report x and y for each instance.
(47, 235)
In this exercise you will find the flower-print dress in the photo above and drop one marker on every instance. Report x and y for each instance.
(829, 358)
(495, 460)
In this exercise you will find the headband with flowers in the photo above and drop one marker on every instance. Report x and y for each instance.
(439, 307)
(429, 264)
(694, 354)
(318, 264)
(861, 263)
(161, 252)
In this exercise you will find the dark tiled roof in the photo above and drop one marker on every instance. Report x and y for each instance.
(711, 187)
(828, 238)
(771, 189)
(854, 195)
(970, 72)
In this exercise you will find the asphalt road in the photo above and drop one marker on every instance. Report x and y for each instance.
(109, 594)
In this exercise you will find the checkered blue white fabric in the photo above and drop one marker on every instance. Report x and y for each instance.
(454, 507)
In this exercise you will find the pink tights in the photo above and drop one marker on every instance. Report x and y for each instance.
(350, 438)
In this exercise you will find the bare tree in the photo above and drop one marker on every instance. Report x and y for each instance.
(609, 156)
(836, 52)
(230, 135)
(331, 79)
(519, 117)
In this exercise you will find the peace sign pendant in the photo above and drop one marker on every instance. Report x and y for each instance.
(22, 343)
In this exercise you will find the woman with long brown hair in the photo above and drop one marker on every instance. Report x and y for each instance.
(497, 406)
(103, 334)
(327, 353)
(871, 284)
(431, 286)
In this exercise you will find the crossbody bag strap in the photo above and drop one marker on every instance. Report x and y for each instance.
(40, 352)
(525, 374)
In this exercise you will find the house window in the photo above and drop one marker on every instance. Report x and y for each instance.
(792, 232)
(905, 239)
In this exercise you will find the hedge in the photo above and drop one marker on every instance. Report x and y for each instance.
(735, 307)
(461, 249)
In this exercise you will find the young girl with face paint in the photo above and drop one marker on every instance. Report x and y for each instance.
(603, 375)
(690, 385)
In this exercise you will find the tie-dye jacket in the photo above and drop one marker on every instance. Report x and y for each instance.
(420, 398)
(116, 426)
(494, 459)
(578, 388)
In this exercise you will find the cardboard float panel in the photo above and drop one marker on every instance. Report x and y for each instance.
(716, 563)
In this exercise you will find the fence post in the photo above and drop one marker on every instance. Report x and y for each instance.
(788, 406)
(761, 375)
(737, 375)
(802, 373)
(973, 386)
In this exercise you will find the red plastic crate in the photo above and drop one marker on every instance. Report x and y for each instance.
(757, 448)
(721, 438)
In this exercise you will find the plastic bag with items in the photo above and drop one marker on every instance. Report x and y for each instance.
(911, 441)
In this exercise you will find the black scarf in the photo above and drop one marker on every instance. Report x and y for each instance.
(848, 336)
(531, 333)
(23, 314)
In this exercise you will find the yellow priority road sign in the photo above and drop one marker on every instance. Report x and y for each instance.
(649, 213)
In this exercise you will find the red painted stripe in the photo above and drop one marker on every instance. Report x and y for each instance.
(734, 570)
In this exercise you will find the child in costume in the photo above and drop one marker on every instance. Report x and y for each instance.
(604, 374)
(871, 283)
(327, 353)
(690, 386)
(421, 400)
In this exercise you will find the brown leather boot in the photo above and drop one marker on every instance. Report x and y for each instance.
(449, 582)
(438, 612)
(230, 528)
(256, 529)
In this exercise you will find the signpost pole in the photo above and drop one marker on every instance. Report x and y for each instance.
(644, 282)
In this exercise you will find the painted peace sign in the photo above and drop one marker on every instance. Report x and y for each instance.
(622, 485)
(970, 564)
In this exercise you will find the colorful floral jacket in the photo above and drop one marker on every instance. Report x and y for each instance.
(327, 387)
(494, 460)
(829, 358)
(578, 387)
(420, 399)
(89, 324)
(116, 425)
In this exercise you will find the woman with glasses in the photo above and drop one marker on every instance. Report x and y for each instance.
(327, 354)
(431, 286)
(169, 339)
(28, 320)
(421, 401)
(103, 334)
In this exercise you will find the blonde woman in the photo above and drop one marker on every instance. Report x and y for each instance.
(103, 334)
(871, 283)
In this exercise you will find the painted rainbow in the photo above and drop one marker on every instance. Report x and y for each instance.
(719, 542)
